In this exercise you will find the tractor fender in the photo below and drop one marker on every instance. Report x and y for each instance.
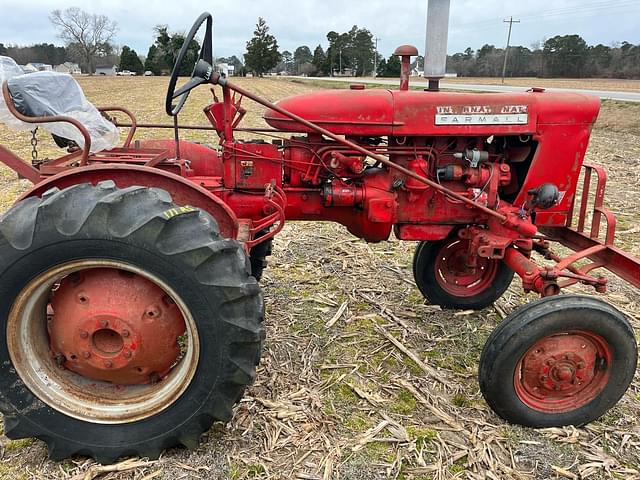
(204, 160)
(182, 190)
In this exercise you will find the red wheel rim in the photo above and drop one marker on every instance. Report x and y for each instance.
(456, 278)
(563, 372)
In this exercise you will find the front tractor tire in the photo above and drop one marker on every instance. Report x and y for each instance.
(441, 275)
(562, 360)
(131, 325)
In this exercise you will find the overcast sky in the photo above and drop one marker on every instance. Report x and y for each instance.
(306, 22)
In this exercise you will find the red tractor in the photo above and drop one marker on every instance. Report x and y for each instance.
(129, 276)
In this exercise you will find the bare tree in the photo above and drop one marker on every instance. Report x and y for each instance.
(89, 34)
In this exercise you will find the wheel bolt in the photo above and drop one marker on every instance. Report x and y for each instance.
(583, 346)
(127, 354)
(108, 364)
(86, 354)
(84, 334)
(125, 333)
(104, 323)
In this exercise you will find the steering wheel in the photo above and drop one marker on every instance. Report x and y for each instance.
(202, 70)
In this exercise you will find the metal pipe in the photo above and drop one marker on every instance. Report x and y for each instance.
(435, 52)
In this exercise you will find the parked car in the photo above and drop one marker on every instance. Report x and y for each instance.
(126, 73)
(148, 73)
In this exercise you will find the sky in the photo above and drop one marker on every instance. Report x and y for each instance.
(306, 22)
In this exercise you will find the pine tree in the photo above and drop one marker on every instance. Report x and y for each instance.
(151, 63)
(129, 60)
(262, 50)
(320, 61)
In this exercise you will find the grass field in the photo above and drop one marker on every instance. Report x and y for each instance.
(343, 401)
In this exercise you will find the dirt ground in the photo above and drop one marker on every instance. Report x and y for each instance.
(337, 394)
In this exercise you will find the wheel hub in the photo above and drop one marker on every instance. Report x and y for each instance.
(562, 372)
(455, 277)
(115, 326)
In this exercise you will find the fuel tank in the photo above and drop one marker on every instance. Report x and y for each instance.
(379, 112)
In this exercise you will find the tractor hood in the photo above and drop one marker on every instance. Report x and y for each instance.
(378, 112)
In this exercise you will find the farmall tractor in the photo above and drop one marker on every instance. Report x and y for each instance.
(129, 293)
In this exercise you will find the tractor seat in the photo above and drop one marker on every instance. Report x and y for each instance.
(47, 94)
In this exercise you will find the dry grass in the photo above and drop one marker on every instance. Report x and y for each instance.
(360, 379)
(587, 83)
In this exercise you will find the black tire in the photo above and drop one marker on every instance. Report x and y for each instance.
(425, 271)
(182, 247)
(258, 256)
(562, 315)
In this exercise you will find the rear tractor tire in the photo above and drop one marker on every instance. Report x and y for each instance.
(562, 360)
(441, 275)
(131, 325)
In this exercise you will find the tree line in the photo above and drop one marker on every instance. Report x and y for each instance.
(89, 42)
(561, 56)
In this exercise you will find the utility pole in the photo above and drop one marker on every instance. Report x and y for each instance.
(375, 59)
(340, 73)
(511, 21)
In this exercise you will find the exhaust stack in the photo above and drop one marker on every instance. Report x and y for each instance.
(435, 56)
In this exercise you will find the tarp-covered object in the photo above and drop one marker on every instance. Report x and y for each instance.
(51, 93)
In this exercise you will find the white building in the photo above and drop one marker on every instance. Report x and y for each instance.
(225, 69)
(68, 67)
(109, 70)
(39, 67)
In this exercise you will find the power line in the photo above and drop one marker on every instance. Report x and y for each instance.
(511, 21)
(591, 8)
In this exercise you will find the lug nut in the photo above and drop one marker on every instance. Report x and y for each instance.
(108, 364)
(125, 333)
(104, 323)
(127, 354)
(86, 354)
(84, 334)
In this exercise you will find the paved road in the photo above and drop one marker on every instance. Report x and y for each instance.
(604, 94)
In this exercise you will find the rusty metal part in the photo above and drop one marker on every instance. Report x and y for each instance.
(77, 396)
(563, 372)
(114, 326)
(132, 126)
(84, 152)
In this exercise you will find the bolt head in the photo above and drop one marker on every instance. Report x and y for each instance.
(84, 334)
(127, 354)
(108, 364)
(86, 354)
(125, 333)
